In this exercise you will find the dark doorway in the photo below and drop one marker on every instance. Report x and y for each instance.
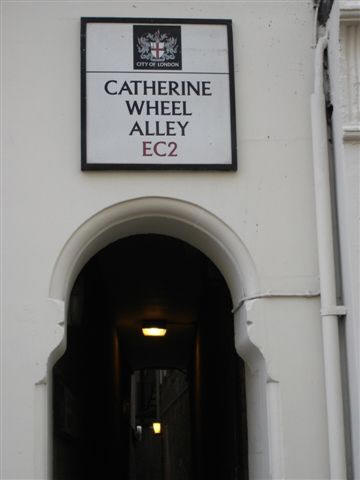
(113, 382)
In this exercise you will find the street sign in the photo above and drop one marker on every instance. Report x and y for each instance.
(157, 94)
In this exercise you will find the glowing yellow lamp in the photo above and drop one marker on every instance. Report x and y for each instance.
(157, 428)
(154, 329)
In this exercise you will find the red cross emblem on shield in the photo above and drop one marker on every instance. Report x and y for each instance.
(157, 49)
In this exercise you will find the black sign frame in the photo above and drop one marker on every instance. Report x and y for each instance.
(85, 166)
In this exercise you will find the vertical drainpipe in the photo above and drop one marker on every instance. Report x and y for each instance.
(329, 309)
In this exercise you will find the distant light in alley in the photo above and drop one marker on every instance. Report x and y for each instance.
(157, 427)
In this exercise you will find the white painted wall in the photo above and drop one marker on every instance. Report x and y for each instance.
(268, 203)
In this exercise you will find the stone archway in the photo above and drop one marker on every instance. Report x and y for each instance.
(219, 243)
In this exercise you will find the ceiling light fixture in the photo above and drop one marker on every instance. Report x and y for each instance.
(154, 328)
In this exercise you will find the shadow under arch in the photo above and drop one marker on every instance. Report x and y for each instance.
(209, 234)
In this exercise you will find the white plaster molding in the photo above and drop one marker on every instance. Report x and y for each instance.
(41, 432)
(161, 215)
(349, 17)
(349, 11)
(351, 133)
(276, 440)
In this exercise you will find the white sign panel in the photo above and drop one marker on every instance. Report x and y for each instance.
(157, 94)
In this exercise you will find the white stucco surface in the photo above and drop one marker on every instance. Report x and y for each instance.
(268, 204)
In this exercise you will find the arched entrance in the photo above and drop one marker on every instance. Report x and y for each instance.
(113, 382)
(204, 231)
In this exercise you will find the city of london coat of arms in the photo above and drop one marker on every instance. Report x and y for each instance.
(157, 47)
